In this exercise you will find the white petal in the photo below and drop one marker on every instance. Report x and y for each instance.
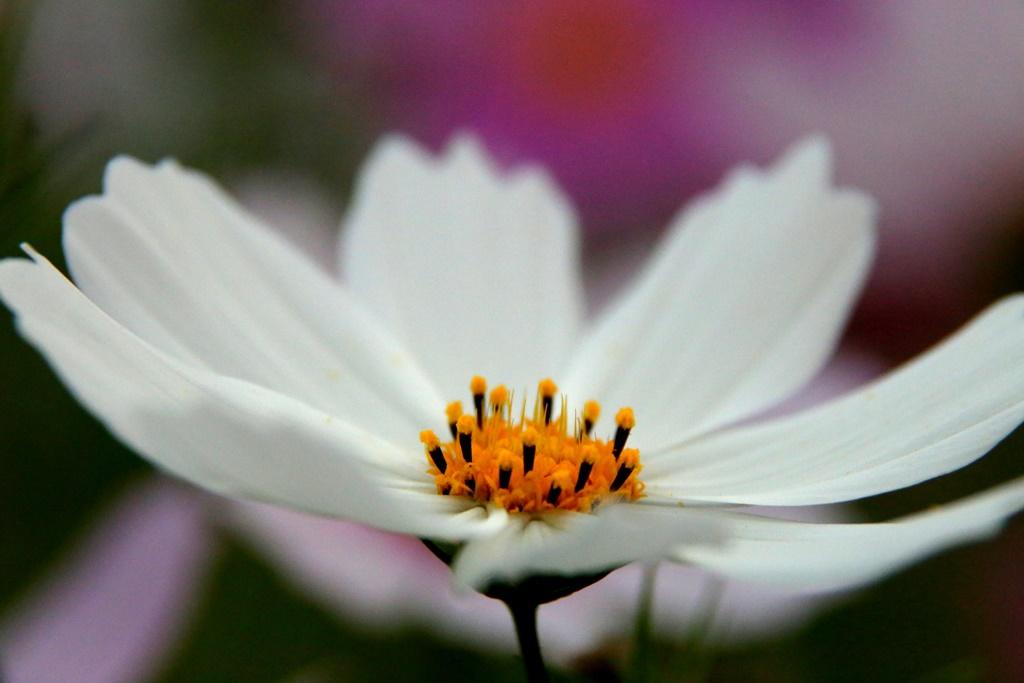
(376, 579)
(575, 543)
(221, 433)
(389, 581)
(930, 417)
(832, 556)
(476, 271)
(740, 306)
(172, 258)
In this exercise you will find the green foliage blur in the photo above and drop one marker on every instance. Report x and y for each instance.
(263, 105)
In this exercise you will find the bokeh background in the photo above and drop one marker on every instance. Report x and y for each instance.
(109, 572)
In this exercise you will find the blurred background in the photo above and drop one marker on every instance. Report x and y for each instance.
(109, 572)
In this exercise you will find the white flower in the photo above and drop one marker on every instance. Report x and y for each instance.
(209, 345)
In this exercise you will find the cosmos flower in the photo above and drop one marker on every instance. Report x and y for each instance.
(210, 346)
(388, 580)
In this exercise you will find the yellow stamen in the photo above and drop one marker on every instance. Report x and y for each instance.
(506, 460)
(546, 390)
(453, 411)
(429, 439)
(529, 462)
(630, 458)
(432, 444)
(591, 411)
(478, 385)
(562, 475)
(499, 397)
(465, 424)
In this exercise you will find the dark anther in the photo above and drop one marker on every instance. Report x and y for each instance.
(478, 404)
(504, 477)
(588, 426)
(529, 452)
(454, 429)
(471, 483)
(621, 476)
(466, 444)
(553, 495)
(446, 489)
(621, 434)
(438, 457)
(546, 403)
(581, 480)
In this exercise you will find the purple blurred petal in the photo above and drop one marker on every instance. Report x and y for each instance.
(851, 368)
(297, 207)
(994, 604)
(610, 95)
(634, 106)
(118, 603)
(935, 134)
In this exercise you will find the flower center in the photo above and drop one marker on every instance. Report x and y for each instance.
(533, 462)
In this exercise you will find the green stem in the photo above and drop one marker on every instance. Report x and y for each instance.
(524, 614)
(640, 666)
(697, 659)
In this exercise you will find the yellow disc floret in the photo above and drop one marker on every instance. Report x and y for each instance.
(429, 439)
(532, 461)
(625, 419)
(453, 411)
(464, 424)
(499, 397)
(529, 436)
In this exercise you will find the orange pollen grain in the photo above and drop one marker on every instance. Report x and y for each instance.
(530, 460)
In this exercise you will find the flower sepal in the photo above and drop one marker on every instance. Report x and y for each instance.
(441, 550)
(538, 589)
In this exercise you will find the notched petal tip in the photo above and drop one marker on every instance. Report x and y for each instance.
(810, 156)
(120, 168)
(465, 148)
(397, 151)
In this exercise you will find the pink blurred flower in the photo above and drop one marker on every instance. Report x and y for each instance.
(603, 92)
(994, 605)
(113, 609)
(931, 128)
(634, 105)
(627, 103)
